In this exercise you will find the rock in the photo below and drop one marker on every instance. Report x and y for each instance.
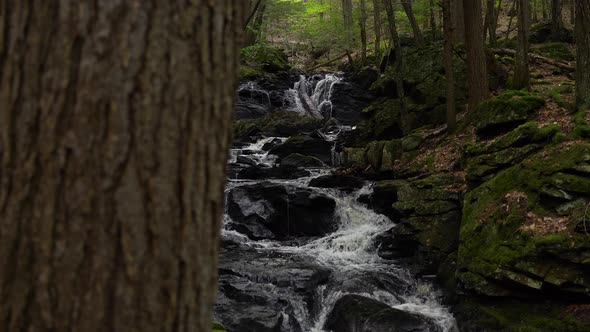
(503, 113)
(246, 160)
(384, 195)
(355, 313)
(343, 182)
(299, 160)
(258, 172)
(348, 101)
(285, 211)
(541, 33)
(519, 233)
(305, 145)
(246, 109)
(264, 289)
(353, 157)
(411, 142)
(278, 123)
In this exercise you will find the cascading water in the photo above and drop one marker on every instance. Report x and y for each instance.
(296, 283)
(312, 95)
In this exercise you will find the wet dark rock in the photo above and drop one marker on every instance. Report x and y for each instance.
(349, 100)
(344, 182)
(355, 313)
(305, 145)
(299, 160)
(285, 210)
(241, 159)
(264, 289)
(258, 172)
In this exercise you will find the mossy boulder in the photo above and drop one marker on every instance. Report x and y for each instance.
(279, 123)
(541, 33)
(517, 237)
(353, 158)
(261, 58)
(299, 160)
(218, 327)
(305, 145)
(557, 51)
(505, 112)
(582, 124)
(484, 160)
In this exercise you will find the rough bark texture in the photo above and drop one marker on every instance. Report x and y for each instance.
(448, 63)
(347, 14)
(476, 57)
(458, 21)
(114, 126)
(583, 54)
(418, 38)
(556, 19)
(521, 70)
(377, 26)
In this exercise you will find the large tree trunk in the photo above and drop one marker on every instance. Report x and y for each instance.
(458, 21)
(476, 57)
(583, 55)
(395, 41)
(363, 26)
(418, 38)
(448, 64)
(377, 27)
(521, 71)
(114, 130)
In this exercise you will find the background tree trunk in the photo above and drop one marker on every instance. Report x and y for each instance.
(583, 55)
(348, 21)
(418, 38)
(476, 57)
(363, 26)
(395, 41)
(114, 130)
(556, 19)
(459, 21)
(377, 27)
(448, 64)
(253, 30)
(433, 21)
(521, 71)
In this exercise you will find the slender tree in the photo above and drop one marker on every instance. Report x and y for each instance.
(395, 41)
(458, 21)
(363, 27)
(583, 55)
(433, 21)
(418, 38)
(377, 26)
(448, 64)
(114, 130)
(476, 57)
(348, 21)
(521, 70)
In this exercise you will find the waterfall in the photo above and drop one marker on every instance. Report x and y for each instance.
(312, 95)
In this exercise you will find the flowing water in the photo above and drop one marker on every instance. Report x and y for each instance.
(261, 279)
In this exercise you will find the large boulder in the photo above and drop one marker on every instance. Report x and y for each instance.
(344, 182)
(355, 313)
(505, 112)
(279, 211)
(299, 160)
(349, 99)
(278, 123)
(305, 145)
(523, 231)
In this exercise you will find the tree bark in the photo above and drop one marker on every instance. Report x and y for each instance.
(395, 41)
(363, 26)
(253, 31)
(521, 70)
(433, 21)
(476, 57)
(459, 21)
(448, 64)
(583, 55)
(418, 38)
(377, 27)
(114, 130)
(348, 21)
(556, 19)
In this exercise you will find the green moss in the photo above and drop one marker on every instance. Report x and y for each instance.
(218, 327)
(581, 125)
(262, 57)
(505, 110)
(557, 51)
(280, 123)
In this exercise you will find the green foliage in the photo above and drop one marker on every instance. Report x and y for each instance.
(557, 51)
(261, 57)
(218, 327)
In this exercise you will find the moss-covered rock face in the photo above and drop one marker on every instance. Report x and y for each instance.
(505, 112)
(485, 160)
(280, 123)
(523, 230)
(582, 124)
(557, 51)
(218, 327)
(260, 58)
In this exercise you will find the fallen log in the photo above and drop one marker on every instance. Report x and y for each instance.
(562, 65)
(329, 61)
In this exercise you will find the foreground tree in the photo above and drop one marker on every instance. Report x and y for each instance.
(114, 126)
(476, 57)
(556, 19)
(521, 70)
(583, 55)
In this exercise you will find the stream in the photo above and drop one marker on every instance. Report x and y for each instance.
(296, 257)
